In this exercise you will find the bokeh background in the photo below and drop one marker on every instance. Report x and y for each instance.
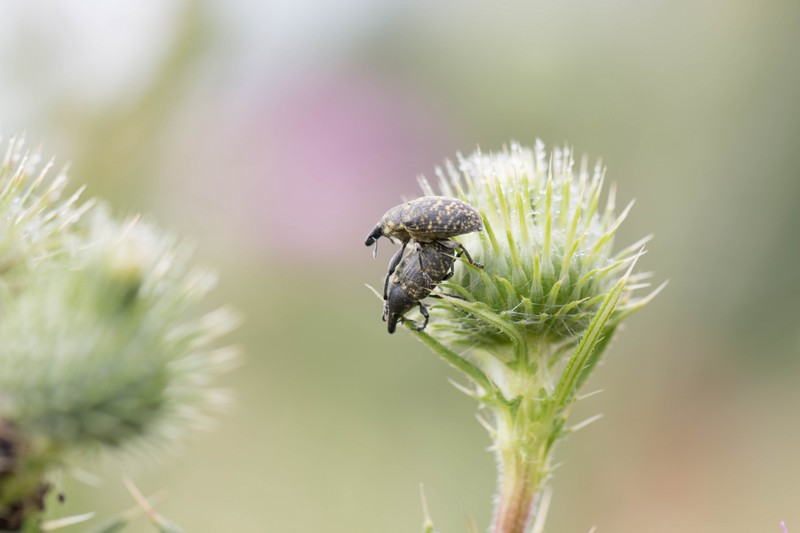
(276, 133)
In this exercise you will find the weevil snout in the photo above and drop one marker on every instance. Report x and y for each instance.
(391, 317)
(373, 237)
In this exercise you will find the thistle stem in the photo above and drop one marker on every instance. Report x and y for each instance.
(522, 471)
(516, 503)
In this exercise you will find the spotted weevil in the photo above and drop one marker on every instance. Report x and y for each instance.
(416, 274)
(426, 219)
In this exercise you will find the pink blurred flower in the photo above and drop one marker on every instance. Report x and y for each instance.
(310, 167)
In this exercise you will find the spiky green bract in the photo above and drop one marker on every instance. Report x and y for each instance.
(105, 337)
(536, 319)
(36, 222)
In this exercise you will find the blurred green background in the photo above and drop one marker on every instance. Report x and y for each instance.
(276, 133)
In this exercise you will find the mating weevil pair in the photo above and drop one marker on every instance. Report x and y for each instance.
(430, 221)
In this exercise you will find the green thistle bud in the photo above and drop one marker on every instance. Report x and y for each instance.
(102, 347)
(102, 340)
(536, 319)
(546, 248)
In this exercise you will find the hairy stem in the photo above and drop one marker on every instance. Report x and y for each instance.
(520, 487)
(524, 436)
(522, 471)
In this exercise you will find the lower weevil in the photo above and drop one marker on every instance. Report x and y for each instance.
(415, 276)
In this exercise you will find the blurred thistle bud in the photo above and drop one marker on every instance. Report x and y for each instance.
(103, 342)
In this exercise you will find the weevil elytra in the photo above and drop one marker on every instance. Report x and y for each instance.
(425, 220)
(415, 275)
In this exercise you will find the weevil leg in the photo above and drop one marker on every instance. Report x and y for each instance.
(450, 271)
(404, 320)
(443, 294)
(424, 311)
(392, 267)
(462, 250)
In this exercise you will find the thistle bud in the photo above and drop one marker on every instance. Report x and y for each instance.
(547, 248)
(528, 327)
(103, 343)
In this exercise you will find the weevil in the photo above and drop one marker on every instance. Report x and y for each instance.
(416, 274)
(425, 220)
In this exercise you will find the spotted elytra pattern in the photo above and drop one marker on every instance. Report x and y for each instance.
(427, 219)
